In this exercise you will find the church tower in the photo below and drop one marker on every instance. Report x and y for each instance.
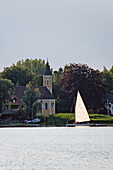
(47, 78)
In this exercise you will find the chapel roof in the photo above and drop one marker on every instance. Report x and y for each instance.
(45, 93)
(47, 69)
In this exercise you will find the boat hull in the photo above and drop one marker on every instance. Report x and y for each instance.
(76, 124)
(84, 124)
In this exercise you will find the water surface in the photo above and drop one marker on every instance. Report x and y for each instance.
(66, 148)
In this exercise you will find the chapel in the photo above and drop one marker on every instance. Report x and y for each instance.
(46, 98)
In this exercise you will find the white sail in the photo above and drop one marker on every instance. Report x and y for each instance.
(81, 114)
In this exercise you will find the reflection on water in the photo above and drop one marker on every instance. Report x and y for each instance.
(56, 148)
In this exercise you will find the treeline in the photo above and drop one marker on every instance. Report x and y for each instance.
(24, 72)
(92, 84)
(107, 77)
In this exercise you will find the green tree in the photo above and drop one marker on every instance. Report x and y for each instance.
(56, 78)
(16, 75)
(30, 97)
(108, 78)
(24, 72)
(37, 80)
(6, 90)
(33, 67)
(57, 75)
(111, 74)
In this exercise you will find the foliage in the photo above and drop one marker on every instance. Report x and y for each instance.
(30, 97)
(56, 78)
(16, 74)
(37, 108)
(65, 115)
(6, 89)
(107, 76)
(60, 119)
(57, 75)
(101, 118)
(24, 72)
(37, 80)
(56, 121)
(87, 80)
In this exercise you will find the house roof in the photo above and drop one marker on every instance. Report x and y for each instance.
(10, 111)
(47, 69)
(17, 101)
(45, 93)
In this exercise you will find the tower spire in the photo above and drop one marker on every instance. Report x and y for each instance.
(47, 69)
(47, 77)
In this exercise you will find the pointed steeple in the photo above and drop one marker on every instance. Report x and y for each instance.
(47, 69)
(47, 77)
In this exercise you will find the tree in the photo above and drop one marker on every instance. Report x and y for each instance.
(16, 75)
(57, 75)
(30, 97)
(87, 81)
(37, 80)
(111, 74)
(6, 90)
(24, 72)
(33, 67)
(107, 77)
(56, 78)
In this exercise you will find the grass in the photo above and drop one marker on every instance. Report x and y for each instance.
(66, 116)
(101, 118)
(95, 118)
(60, 119)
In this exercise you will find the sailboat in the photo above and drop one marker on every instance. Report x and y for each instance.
(81, 114)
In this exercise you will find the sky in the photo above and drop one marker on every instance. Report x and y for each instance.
(64, 31)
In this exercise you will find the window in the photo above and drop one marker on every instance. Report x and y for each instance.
(47, 82)
(46, 106)
(14, 100)
(52, 104)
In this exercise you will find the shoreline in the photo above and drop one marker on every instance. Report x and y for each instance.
(14, 125)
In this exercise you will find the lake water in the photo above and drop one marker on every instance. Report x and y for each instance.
(67, 148)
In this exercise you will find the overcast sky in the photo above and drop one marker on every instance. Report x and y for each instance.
(64, 31)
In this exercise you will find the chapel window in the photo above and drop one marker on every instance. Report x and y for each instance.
(52, 104)
(47, 82)
(46, 106)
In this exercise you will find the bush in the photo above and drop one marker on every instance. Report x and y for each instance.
(60, 119)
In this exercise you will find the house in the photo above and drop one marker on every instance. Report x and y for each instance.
(108, 99)
(46, 98)
(15, 102)
(13, 114)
